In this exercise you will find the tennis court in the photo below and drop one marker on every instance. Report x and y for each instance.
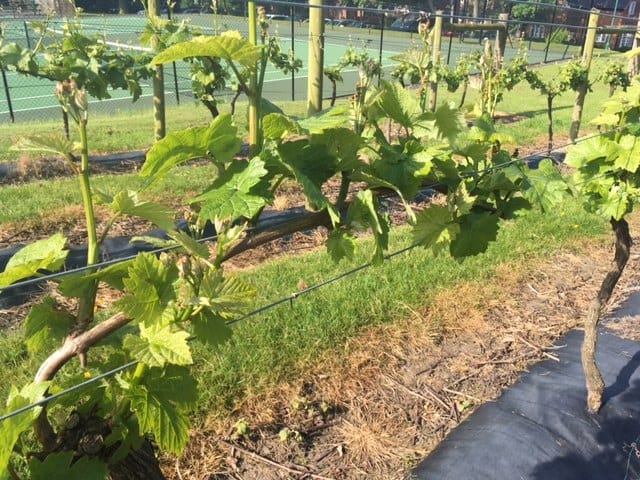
(32, 98)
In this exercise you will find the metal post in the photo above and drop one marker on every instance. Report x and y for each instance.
(553, 21)
(26, 35)
(175, 83)
(382, 22)
(293, 53)
(8, 95)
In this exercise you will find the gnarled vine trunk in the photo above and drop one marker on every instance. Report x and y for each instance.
(595, 383)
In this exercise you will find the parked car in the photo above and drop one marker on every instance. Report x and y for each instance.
(410, 22)
(276, 17)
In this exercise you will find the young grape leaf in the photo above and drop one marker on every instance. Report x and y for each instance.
(477, 230)
(219, 141)
(225, 296)
(311, 166)
(47, 254)
(362, 214)
(64, 465)
(545, 186)
(341, 143)
(127, 203)
(336, 117)
(12, 428)
(159, 415)
(596, 148)
(449, 121)
(435, 228)
(230, 46)
(341, 244)
(403, 166)
(277, 127)
(46, 325)
(375, 182)
(398, 104)
(616, 202)
(47, 143)
(150, 288)
(78, 285)
(158, 345)
(231, 195)
(210, 328)
(629, 156)
(190, 245)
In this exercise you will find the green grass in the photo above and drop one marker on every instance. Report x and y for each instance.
(277, 345)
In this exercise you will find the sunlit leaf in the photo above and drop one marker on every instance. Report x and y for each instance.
(435, 228)
(158, 345)
(127, 203)
(230, 195)
(48, 254)
(341, 244)
(46, 325)
(544, 186)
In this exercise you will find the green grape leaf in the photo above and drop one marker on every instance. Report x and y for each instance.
(150, 289)
(277, 127)
(311, 165)
(398, 104)
(616, 202)
(79, 285)
(375, 182)
(230, 46)
(590, 150)
(230, 195)
(210, 328)
(362, 214)
(127, 203)
(545, 186)
(46, 325)
(341, 143)
(341, 244)
(629, 155)
(449, 121)
(225, 296)
(56, 144)
(12, 428)
(158, 345)
(190, 244)
(161, 404)
(47, 254)
(62, 465)
(435, 228)
(477, 231)
(219, 142)
(403, 166)
(336, 117)
(610, 120)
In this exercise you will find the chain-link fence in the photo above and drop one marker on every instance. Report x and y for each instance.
(547, 32)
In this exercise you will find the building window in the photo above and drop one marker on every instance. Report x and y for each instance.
(626, 40)
(632, 9)
(602, 38)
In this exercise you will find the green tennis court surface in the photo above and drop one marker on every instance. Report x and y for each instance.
(31, 97)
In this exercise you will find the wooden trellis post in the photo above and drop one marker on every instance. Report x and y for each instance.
(437, 38)
(581, 93)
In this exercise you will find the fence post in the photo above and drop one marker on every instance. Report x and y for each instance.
(501, 39)
(8, 95)
(316, 56)
(634, 62)
(292, 12)
(437, 39)
(380, 49)
(581, 93)
(26, 35)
